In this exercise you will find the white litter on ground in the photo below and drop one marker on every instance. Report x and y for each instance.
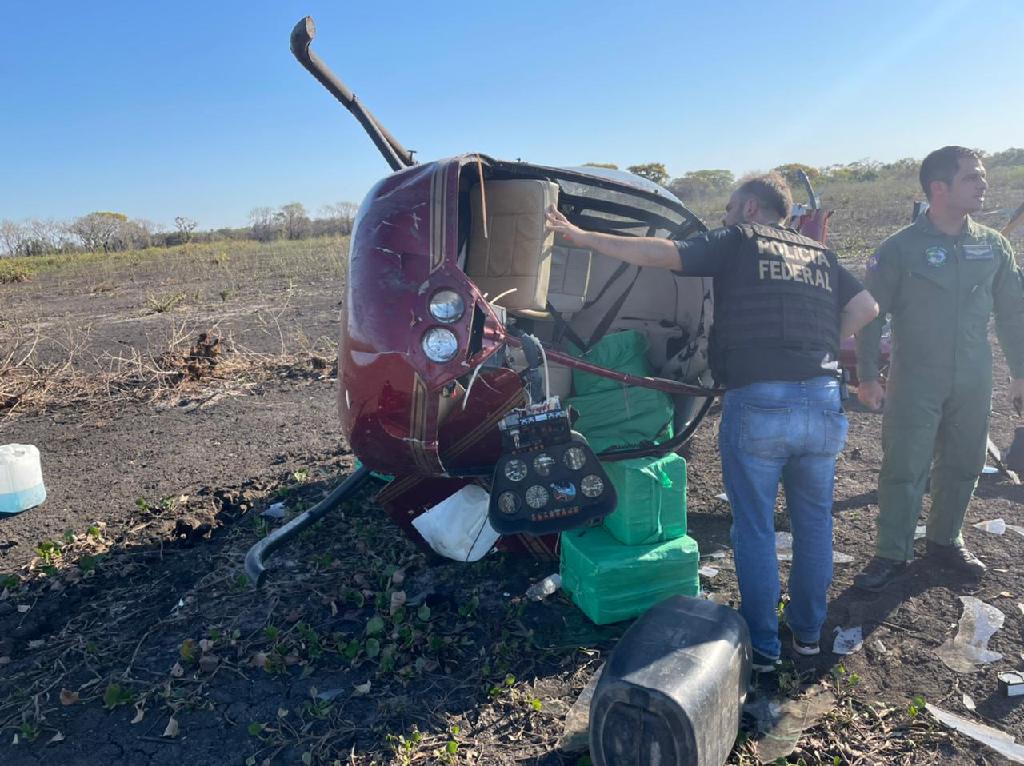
(968, 649)
(989, 469)
(919, 531)
(995, 526)
(968, 702)
(1002, 743)
(848, 640)
(708, 572)
(458, 527)
(275, 511)
(722, 496)
(784, 550)
(782, 722)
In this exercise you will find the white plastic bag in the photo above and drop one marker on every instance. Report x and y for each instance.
(457, 527)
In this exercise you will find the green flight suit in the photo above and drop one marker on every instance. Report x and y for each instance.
(940, 291)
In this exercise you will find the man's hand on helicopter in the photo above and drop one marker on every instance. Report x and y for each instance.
(871, 394)
(641, 251)
(560, 225)
(1017, 395)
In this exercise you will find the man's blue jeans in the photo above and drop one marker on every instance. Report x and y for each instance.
(788, 431)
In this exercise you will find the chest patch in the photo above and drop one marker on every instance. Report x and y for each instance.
(935, 255)
(978, 253)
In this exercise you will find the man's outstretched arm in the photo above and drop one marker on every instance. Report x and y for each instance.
(641, 251)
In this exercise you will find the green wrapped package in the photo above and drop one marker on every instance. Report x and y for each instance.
(652, 499)
(623, 417)
(624, 351)
(611, 582)
(612, 414)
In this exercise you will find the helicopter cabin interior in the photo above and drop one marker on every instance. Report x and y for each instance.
(567, 296)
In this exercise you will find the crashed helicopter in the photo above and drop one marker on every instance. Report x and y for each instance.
(464, 322)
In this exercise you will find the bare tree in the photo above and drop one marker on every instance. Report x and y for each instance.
(12, 235)
(294, 221)
(336, 219)
(185, 227)
(261, 222)
(111, 231)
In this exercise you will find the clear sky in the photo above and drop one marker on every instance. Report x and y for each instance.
(161, 108)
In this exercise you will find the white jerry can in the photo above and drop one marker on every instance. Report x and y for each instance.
(21, 478)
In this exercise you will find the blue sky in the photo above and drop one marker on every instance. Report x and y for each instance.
(161, 108)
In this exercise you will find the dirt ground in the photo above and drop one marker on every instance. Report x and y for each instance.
(129, 635)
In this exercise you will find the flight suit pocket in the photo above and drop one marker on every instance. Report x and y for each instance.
(766, 432)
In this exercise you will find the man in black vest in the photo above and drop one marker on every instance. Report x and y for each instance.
(782, 303)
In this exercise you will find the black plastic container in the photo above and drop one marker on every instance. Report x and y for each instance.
(672, 691)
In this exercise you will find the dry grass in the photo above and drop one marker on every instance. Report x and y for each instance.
(193, 364)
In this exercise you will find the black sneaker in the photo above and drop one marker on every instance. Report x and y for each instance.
(878, 573)
(762, 663)
(956, 558)
(806, 648)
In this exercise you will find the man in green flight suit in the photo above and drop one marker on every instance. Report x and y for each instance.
(940, 278)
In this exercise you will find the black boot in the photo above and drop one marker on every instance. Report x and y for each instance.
(955, 558)
(878, 573)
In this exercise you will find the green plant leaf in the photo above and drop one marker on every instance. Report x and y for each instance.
(374, 626)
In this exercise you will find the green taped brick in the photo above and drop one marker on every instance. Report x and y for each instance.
(611, 582)
(625, 416)
(652, 499)
(624, 351)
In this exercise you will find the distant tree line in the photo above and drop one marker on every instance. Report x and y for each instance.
(702, 184)
(107, 231)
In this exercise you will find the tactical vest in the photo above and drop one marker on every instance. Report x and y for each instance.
(778, 292)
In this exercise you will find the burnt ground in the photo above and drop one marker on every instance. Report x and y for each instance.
(129, 635)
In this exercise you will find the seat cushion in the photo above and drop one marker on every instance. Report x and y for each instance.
(513, 250)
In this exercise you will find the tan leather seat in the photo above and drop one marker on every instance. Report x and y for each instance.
(513, 251)
(570, 276)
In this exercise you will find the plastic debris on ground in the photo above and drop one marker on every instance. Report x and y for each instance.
(782, 722)
(968, 649)
(968, 702)
(919, 531)
(576, 731)
(708, 572)
(848, 640)
(544, 588)
(276, 511)
(998, 527)
(457, 527)
(989, 469)
(1002, 743)
(784, 549)
(995, 526)
(722, 496)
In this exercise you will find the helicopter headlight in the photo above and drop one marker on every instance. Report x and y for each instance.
(447, 306)
(440, 344)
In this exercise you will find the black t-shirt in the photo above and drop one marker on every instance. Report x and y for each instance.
(711, 253)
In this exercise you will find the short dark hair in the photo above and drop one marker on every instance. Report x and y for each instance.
(943, 164)
(770, 190)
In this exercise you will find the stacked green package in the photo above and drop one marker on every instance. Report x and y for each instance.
(610, 413)
(652, 499)
(610, 581)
